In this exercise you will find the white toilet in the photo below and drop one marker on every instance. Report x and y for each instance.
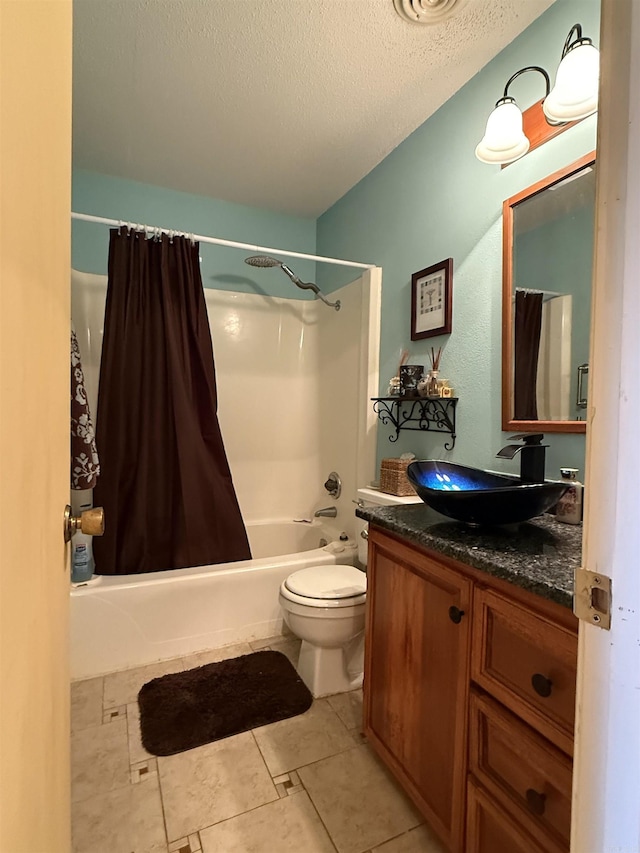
(325, 606)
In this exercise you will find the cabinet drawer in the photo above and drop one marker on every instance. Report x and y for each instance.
(491, 830)
(527, 661)
(523, 771)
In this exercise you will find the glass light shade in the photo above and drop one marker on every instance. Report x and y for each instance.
(504, 140)
(575, 94)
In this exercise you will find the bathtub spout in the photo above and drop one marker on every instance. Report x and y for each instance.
(327, 512)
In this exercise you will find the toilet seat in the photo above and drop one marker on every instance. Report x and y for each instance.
(326, 586)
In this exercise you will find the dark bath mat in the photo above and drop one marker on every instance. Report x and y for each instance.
(187, 709)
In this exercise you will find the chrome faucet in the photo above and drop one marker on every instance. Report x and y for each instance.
(327, 512)
(532, 456)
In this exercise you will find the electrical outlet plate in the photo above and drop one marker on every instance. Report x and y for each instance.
(592, 598)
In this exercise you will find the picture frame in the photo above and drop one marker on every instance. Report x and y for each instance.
(431, 301)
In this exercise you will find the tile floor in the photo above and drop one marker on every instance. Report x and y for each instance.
(309, 784)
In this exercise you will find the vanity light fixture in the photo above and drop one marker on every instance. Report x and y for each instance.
(573, 97)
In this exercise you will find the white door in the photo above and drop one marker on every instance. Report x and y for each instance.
(606, 798)
(35, 158)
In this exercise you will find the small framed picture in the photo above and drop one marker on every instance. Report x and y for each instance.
(431, 302)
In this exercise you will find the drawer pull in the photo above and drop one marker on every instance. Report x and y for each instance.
(535, 801)
(455, 614)
(541, 684)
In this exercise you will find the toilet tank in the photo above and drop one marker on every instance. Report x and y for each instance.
(374, 497)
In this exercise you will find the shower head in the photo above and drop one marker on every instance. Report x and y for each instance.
(262, 261)
(267, 261)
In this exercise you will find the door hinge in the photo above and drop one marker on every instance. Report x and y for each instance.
(592, 598)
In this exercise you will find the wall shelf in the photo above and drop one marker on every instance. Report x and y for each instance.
(420, 414)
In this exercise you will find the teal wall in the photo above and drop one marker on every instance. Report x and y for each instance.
(432, 199)
(222, 267)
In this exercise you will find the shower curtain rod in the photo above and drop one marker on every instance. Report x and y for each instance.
(547, 295)
(218, 241)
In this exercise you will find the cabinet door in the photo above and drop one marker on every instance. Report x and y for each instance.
(416, 677)
(491, 830)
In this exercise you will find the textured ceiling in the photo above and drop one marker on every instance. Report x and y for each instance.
(279, 104)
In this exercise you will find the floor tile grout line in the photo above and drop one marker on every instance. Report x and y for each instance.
(264, 761)
(240, 814)
(164, 816)
(315, 808)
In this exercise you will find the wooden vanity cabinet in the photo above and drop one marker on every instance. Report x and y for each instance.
(468, 698)
(417, 678)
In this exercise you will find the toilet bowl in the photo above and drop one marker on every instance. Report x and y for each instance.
(324, 606)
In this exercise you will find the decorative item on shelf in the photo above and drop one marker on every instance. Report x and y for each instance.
(410, 375)
(423, 386)
(394, 386)
(431, 301)
(433, 388)
(395, 383)
(393, 476)
(445, 389)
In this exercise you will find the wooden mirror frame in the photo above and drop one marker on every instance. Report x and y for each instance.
(508, 422)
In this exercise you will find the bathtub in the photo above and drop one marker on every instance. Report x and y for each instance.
(120, 621)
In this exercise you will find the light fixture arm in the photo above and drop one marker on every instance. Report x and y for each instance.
(530, 68)
(576, 30)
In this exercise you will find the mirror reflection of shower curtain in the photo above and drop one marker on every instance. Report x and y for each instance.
(527, 327)
(165, 484)
(554, 360)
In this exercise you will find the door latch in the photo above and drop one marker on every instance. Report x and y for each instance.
(592, 598)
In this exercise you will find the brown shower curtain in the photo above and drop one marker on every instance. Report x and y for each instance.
(527, 328)
(165, 483)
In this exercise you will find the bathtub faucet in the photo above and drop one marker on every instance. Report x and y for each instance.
(327, 512)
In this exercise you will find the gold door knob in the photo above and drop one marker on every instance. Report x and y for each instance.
(90, 521)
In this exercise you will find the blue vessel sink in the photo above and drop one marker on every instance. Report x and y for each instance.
(480, 497)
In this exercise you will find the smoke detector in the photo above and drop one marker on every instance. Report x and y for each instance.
(427, 11)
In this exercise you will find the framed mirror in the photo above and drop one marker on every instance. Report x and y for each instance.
(548, 236)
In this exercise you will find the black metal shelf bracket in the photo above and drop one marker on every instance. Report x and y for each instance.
(419, 414)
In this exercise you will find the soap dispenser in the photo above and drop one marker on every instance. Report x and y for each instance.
(569, 507)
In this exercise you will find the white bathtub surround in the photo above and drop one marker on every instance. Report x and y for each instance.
(122, 621)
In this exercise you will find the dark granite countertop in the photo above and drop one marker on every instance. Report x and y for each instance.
(540, 555)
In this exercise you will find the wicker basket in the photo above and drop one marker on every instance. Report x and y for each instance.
(393, 477)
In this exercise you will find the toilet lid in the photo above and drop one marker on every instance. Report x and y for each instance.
(327, 582)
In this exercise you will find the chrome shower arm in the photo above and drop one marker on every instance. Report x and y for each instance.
(266, 261)
(335, 304)
(309, 285)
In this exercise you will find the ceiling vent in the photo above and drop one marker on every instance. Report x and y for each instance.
(427, 11)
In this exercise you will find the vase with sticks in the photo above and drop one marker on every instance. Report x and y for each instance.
(433, 389)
